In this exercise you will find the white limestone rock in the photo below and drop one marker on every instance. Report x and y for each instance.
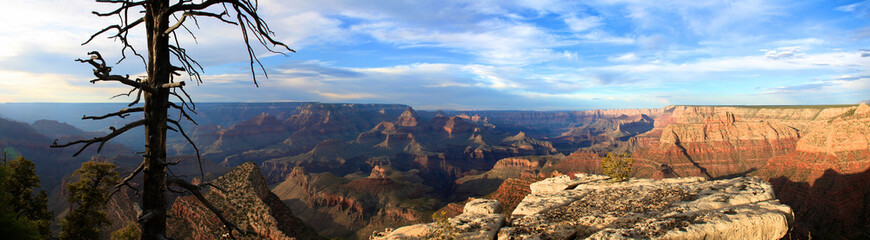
(679, 208)
(593, 207)
(560, 183)
(480, 219)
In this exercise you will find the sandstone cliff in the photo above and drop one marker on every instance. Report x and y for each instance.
(816, 157)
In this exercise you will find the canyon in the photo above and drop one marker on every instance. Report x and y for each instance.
(348, 170)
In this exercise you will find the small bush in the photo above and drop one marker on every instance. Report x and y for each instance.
(618, 167)
(442, 229)
(129, 232)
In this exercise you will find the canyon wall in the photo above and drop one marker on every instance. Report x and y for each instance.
(816, 157)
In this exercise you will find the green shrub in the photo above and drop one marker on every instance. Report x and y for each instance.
(129, 232)
(618, 167)
(442, 229)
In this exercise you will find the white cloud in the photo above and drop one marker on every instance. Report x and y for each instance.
(19, 86)
(701, 17)
(785, 61)
(783, 53)
(344, 96)
(799, 42)
(53, 27)
(502, 42)
(603, 37)
(854, 7)
(628, 57)
(312, 28)
(583, 24)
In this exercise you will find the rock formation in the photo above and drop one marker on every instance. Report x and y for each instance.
(480, 219)
(245, 199)
(592, 207)
(356, 205)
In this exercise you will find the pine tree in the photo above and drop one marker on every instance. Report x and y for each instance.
(22, 184)
(129, 232)
(12, 226)
(89, 196)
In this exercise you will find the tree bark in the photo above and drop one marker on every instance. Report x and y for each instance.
(156, 106)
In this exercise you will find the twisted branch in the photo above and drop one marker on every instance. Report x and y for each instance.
(103, 73)
(198, 160)
(102, 140)
(126, 181)
(122, 113)
(195, 190)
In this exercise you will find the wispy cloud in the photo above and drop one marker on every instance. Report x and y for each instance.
(480, 54)
(583, 24)
(783, 53)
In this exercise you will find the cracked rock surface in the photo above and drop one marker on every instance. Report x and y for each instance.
(587, 206)
(593, 207)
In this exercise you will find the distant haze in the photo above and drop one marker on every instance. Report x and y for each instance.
(535, 55)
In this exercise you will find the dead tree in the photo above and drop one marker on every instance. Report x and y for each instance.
(161, 91)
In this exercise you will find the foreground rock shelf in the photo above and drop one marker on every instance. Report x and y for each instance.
(592, 207)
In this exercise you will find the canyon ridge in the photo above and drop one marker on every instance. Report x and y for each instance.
(349, 170)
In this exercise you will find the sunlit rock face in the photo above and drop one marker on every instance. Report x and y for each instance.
(816, 157)
(480, 219)
(244, 198)
(593, 207)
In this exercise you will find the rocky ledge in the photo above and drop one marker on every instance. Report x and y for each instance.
(593, 207)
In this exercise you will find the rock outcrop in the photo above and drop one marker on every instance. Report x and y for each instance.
(480, 219)
(245, 199)
(592, 207)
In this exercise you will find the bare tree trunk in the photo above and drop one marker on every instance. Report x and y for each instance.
(156, 105)
(158, 87)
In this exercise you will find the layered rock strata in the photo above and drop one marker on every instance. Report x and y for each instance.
(244, 198)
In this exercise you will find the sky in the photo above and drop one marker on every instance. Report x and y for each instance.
(477, 54)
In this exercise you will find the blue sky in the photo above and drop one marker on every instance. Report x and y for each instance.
(480, 54)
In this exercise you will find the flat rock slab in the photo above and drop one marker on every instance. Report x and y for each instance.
(592, 207)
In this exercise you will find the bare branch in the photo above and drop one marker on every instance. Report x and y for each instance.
(192, 13)
(122, 113)
(125, 5)
(120, 29)
(173, 85)
(103, 73)
(183, 113)
(257, 26)
(181, 6)
(126, 181)
(102, 140)
(125, 94)
(195, 190)
(138, 97)
(190, 65)
(198, 160)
